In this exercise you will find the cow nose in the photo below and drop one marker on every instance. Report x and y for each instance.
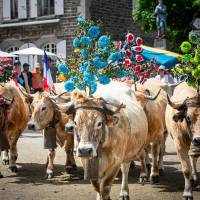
(69, 129)
(31, 126)
(196, 141)
(85, 152)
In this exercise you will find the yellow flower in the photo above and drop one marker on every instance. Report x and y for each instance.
(76, 50)
(61, 77)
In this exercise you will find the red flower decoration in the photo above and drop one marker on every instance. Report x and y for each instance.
(137, 68)
(127, 62)
(2, 101)
(129, 53)
(138, 49)
(146, 73)
(156, 67)
(119, 45)
(139, 58)
(141, 74)
(1, 69)
(130, 37)
(139, 41)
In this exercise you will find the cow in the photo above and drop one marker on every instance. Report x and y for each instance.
(183, 124)
(154, 101)
(110, 129)
(45, 114)
(16, 118)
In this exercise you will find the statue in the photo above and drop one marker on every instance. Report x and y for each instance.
(161, 14)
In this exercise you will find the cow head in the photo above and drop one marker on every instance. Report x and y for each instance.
(92, 118)
(189, 113)
(44, 112)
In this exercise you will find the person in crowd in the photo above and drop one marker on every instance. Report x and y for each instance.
(37, 79)
(25, 78)
(53, 69)
(17, 67)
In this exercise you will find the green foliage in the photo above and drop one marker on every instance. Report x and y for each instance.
(190, 62)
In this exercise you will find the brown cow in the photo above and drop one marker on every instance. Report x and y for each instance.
(183, 123)
(108, 135)
(15, 122)
(45, 114)
(154, 107)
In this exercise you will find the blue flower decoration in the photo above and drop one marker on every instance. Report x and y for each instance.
(93, 87)
(80, 20)
(93, 32)
(115, 56)
(84, 53)
(63, 69)
(74, 78)
(85, 41)
(69, 86)
(76, 42)
(80, 86)
(103, 41)
(88, 78)
(84, 67)
(103, 79)
(98, 63)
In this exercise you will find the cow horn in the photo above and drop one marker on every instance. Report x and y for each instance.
(26, 95)
(67, 99)
(149, 97)
(176, 106)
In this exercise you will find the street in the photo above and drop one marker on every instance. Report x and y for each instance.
(30, 184)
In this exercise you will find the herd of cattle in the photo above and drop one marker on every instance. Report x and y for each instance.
(109, 129)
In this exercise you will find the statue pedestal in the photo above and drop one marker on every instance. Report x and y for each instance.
(160, 43)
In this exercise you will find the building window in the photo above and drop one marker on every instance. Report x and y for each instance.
(11, 49)
(51, 47)
(45, 7)
(14, 9)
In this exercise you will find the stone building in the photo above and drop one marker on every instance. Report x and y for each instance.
(50, 24)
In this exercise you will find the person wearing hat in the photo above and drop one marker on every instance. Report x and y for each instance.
(37, 79)
(17, 67)
(25, 78)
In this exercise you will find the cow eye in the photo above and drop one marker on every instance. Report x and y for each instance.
(99, 125)
(188, 118)
(43, 108)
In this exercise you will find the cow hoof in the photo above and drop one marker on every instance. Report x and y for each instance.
(161, 172)
(13, 169)
(187, 198)
(49, 176)
(124, 197)
(1, 176)
(70, 169)
(5, 162)
(154, 179)
(143, 179)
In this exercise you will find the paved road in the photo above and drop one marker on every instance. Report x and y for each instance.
(29, 183)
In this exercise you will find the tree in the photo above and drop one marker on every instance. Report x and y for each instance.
(180, 16)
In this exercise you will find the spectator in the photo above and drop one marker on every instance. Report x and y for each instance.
(17, 67)
(25, 78)
(37, 79)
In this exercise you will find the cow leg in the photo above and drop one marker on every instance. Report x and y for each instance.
(5, 157)
(70, 164)
(105, 185)
(1, 176)
(124, 194)
(143, 172)
(147, 159)
(154, 177)
(50, 166)
(193, 161)
(96, 186)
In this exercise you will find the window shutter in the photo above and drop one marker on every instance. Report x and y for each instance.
(22, 11)
(59, 7)
(6, 10)
(33, 8)
(61, 49)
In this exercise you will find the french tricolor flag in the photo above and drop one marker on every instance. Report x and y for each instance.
(47, 78)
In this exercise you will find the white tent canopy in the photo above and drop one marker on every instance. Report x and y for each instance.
(7, 55)
(33, 51)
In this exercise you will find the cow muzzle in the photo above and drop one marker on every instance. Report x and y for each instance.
(196, 141)
(31, 126)
(86, 150)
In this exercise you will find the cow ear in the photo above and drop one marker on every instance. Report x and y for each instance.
(57, 115)
(179, 116)
(113, 120)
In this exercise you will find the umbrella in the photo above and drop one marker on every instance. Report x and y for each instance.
(7, 55)
(33, 51)
(162, 57)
